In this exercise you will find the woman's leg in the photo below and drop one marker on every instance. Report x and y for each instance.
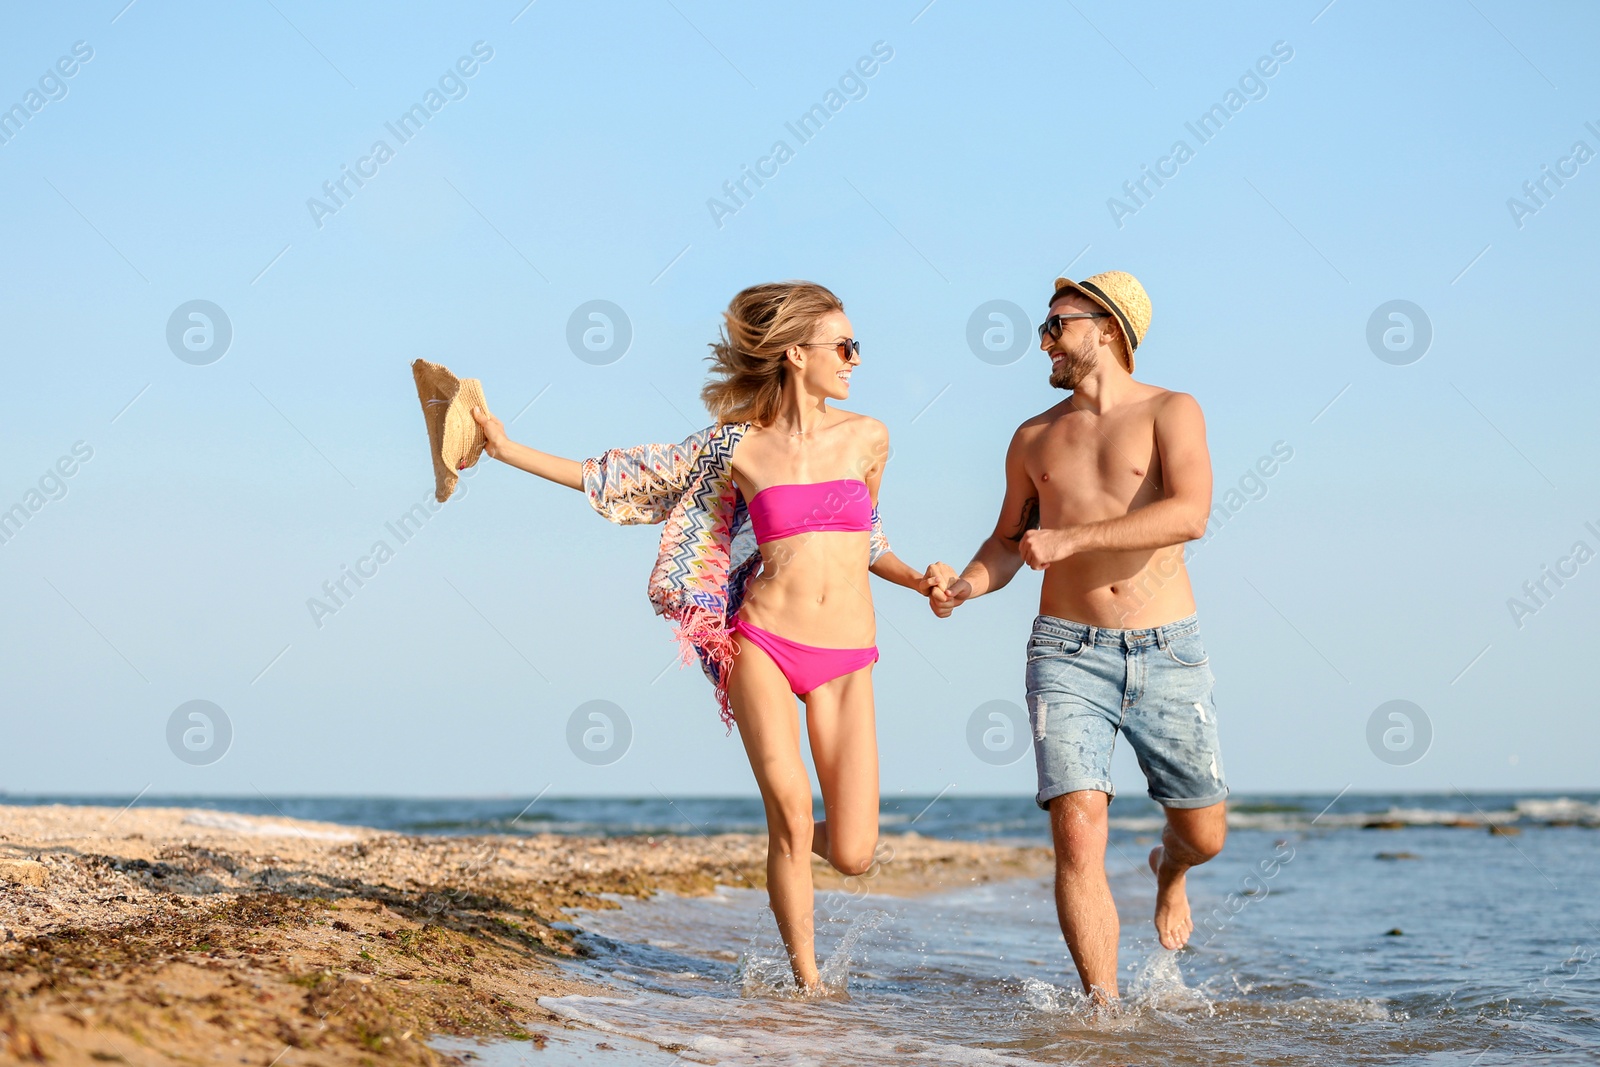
(844, 748)
(769, 726)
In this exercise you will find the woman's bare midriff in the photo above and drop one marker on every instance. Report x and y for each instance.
(813, 588)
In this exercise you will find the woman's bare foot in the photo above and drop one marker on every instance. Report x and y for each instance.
(807, 980)
(1173, 923)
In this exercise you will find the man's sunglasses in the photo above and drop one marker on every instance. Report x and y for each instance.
(1056, 323)
(844, 348)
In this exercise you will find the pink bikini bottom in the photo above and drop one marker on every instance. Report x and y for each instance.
(805, 666)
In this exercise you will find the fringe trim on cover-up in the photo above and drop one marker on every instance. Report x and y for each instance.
(704, 636)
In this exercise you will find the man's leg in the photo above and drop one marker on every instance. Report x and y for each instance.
(1173, 731)
(1088, 915)
(1074, 698)
(1191, 837)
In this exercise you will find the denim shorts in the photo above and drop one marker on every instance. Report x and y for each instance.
(1086, 683)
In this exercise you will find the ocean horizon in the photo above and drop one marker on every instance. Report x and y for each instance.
(951, 815)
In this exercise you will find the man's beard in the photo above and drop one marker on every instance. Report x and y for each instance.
(1077, 366)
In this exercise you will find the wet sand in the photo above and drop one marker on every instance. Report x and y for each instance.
(166, 936)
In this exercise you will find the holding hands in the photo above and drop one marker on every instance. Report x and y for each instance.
(946, 589)
(930, 583)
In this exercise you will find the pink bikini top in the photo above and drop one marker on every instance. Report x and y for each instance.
(780, 511)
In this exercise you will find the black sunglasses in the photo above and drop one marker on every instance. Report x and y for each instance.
(844, 348)
(1056, 323)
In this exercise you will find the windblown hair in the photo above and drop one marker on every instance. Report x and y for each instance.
(748, 362)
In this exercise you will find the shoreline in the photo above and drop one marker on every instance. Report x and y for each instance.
(163, 935)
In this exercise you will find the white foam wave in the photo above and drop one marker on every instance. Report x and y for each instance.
(1540, 810)
(241, 824)
(1560, 809)
(748, 1033)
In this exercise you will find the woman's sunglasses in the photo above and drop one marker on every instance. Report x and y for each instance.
(845, 348)
(1056, 323)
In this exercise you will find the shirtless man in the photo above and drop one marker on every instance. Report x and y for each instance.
(1102, 491)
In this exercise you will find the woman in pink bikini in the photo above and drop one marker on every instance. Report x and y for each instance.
(793, 617)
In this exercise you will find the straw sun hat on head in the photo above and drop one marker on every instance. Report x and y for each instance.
(1121, 294)
(454, 436)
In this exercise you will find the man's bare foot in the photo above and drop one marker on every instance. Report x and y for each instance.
(1102, 1003)
(1173, 924)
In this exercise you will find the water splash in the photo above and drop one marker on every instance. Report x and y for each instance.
(1041, 996)
(1159, 985)
(763, 968)
(835, 970)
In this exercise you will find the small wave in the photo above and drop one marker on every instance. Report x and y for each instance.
(243, 824)
(1560, 810)
(1306, 1009)
(1266, 807)
(1285, 818)
(573, 1009)
(695, 1046)
(743, 1037)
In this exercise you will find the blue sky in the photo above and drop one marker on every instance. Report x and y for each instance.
(578, 162)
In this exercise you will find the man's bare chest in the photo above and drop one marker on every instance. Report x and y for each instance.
(1091, 460)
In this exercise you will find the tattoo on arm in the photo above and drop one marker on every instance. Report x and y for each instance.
(1029, 519)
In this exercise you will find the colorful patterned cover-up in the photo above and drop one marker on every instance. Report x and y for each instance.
(708, 554)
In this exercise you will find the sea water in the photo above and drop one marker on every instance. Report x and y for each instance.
(1320, 942)
(1368, 930)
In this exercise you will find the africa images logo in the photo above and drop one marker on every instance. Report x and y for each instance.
(451, 86)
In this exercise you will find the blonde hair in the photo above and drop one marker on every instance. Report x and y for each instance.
(748, 360)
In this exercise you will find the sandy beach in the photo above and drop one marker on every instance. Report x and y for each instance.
(172, 935)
